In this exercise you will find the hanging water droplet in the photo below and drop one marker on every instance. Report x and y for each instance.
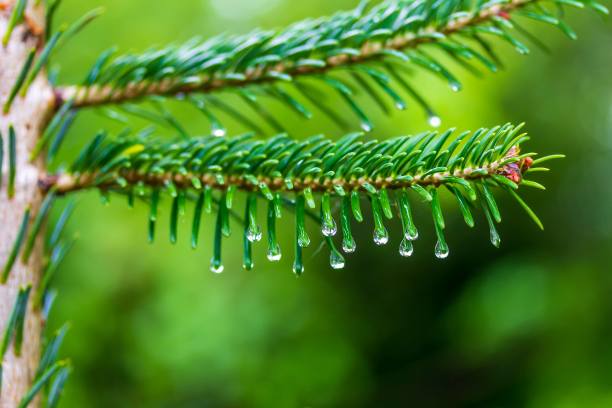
(216, 267)
(381, 236)
(455, 87)
(495, 239)
(366, 126)
(442, 250)
(298, 269)
(406, 249)
(254, 234)
(329, 228)
(274, 254)
(336, 260)
(218, 132)
(104, 198)
(348, 245)
(248, 266)
(434, 121)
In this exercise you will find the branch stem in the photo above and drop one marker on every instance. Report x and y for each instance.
(69, 183)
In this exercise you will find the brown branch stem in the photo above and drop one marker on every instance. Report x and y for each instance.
(68, 183)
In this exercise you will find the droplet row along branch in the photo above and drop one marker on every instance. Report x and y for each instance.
(287, 172)
(83, 96)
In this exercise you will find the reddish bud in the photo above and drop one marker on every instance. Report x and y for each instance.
(526, 164)
(514, 171)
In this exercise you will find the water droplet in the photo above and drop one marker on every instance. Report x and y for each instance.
(218, 132)
(522, 50)
(412, 234)
(366, 127)
(274, 254)
(434, 121)
(298, 269)
(495, 239)
(406, 249)
(442, 250)
(254, 234)
(381, 236)
(336, 260)
(216, 266)
(348, 245)
(455, 87)
(329, 228)
(400, 105)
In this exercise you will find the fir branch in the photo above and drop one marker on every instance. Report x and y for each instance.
(468, 165)
(314, 48)
(284, 164)
(69, 183)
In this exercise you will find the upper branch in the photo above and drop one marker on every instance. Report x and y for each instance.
(306, 48)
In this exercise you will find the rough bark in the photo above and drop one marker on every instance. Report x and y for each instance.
(28, 116)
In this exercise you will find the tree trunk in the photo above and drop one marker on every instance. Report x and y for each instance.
(28, 116)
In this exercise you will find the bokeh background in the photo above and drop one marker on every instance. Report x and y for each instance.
(526, 325)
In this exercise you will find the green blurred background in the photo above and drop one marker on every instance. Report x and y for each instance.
(527, 325)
